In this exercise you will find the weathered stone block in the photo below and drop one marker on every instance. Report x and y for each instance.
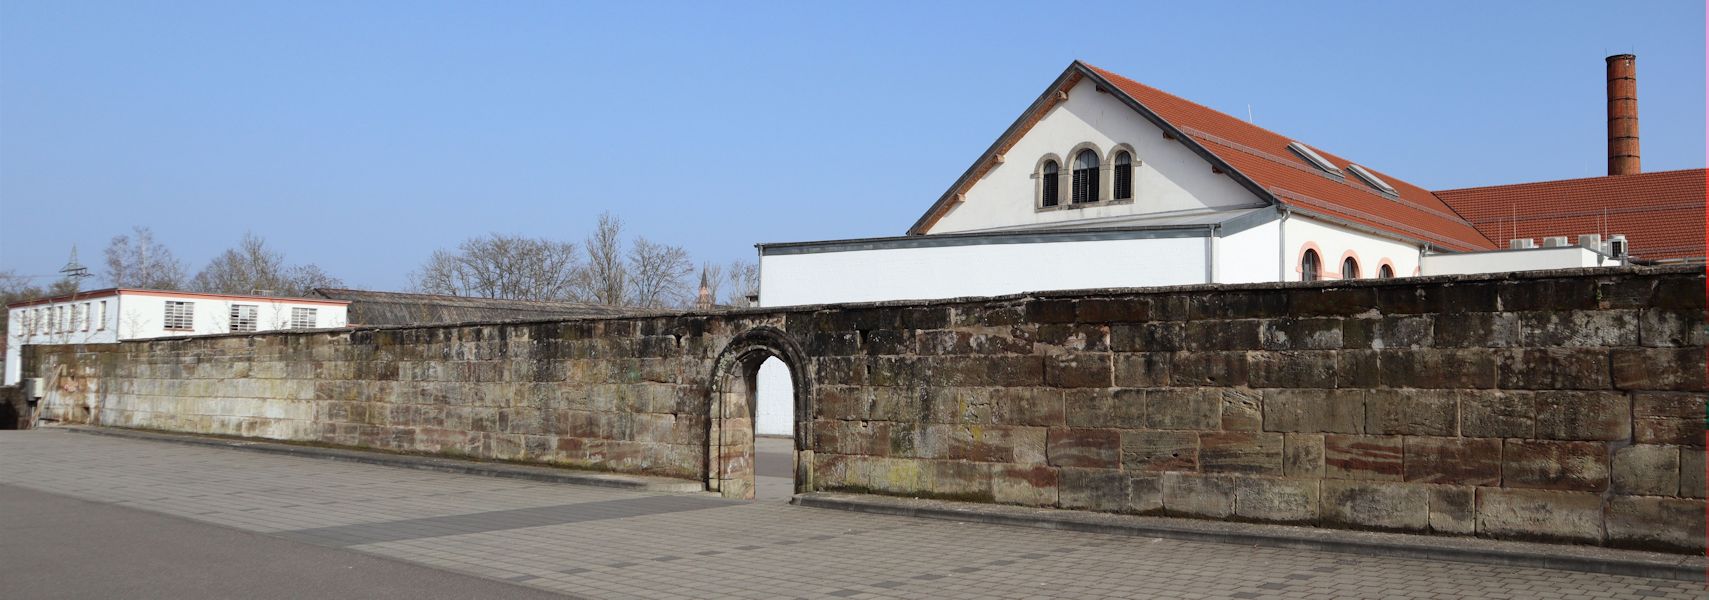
(1412, 412)
(1678, 369)
(1233, 304)
(1035, 485)
(1462, 461)
(1357, 368)
(1156, 451)
(1453, 509)
(1144, 369)
(1275, 500)
(1050, 311)
(1113, 310)
(1691, 472)
(1208, 369)
(1675, 418)
(1027, 406)
(1122, 409)
(1554, 369)
(1183, 408)
(1437, 368)
(1498, 414)
(1074, 338)
(1339, 301)
(1583, 415)
(1579, 328)
(1093, 489)
(1555, 465)
(1302, 369)
(1240, 334)
(1087, 448)
(852, 437)
(1314, 411)
(1477, 330)
(1362, 457)
(1145, 494)
(1079, 370)
(1646, 470)
(1388, 332)
(1302, 455)
(1155, 336)
(1250, 453)
(1374, 505)
(1194, 495)
(1667, 524)
(1672, 328)
(1242, 410)
(1301, 334)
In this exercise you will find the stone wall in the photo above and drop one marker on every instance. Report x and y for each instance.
(1563, 406)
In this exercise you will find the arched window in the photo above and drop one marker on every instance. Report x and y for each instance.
(1310, 267)
(1085, 177)
(1385, 272)
(1124, 176)
(1048, 175)
(1349, 268)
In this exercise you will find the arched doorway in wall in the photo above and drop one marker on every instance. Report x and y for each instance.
(739, 463)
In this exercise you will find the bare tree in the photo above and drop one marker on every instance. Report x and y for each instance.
(137, 260)
(743, 277)
(501, 266)
(658, 274)
(605, 278)
(252, 267)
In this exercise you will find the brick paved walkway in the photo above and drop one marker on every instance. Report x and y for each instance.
(603, 543)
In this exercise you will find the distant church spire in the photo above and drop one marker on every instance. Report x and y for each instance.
(704, 298)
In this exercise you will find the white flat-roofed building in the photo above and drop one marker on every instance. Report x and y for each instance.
(117, 314)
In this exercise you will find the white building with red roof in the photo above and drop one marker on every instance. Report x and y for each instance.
(1104, 182)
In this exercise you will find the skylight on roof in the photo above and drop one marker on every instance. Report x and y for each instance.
(1373, 179)
(1316, 159)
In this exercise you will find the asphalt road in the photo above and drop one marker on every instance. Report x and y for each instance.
(54, 546)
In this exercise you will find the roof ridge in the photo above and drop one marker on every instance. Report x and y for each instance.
(1568, 180)
(1111, 74)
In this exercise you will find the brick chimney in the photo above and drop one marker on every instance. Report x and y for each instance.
(1623, 115)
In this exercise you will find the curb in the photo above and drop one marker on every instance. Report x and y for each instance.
(410, 461)
(1590, 559)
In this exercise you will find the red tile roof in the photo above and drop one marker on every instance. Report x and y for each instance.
(1661, 214)
(1263, 156)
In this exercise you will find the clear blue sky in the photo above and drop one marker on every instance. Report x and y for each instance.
(363, 135)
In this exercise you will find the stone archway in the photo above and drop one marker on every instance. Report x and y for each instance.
(730, 434)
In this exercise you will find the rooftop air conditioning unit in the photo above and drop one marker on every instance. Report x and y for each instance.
(1557, 241)
(1590, 241)
(1617, 246)
(1521, 244)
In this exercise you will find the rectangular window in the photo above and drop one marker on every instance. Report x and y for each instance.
(102, 324)
(243, 317)
(302, 318)
(76, 317)
(88, 315)
(180, 316)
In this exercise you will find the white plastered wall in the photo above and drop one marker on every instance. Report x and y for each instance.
(1334, 242)
(1502, 261)
(1168, 177)
(143, 316)
(978, 270)
(1249, 255)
